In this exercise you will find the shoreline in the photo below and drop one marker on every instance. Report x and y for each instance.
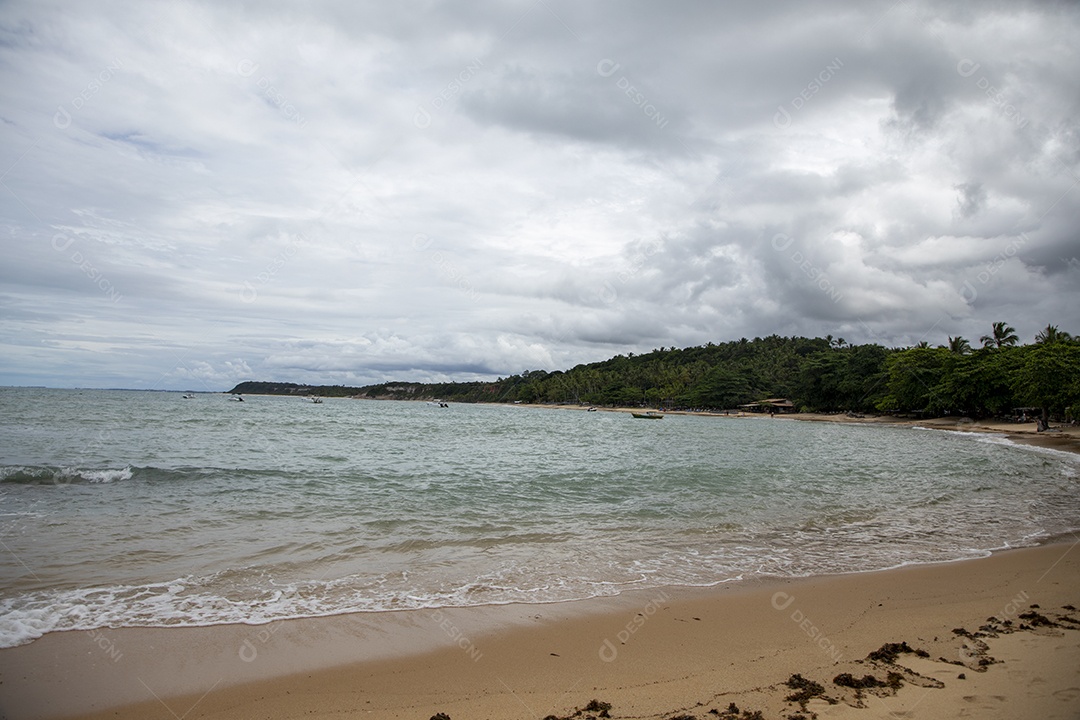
(651, 653)
(1061, 437)
(654, 651)
(1065, 438)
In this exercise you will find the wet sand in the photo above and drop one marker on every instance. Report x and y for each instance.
(655, 654)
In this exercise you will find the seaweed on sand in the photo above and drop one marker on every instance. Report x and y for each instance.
(806, 689)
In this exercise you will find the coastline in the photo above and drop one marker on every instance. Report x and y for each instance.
(650, 653)
(1061, 437)
(653, 653)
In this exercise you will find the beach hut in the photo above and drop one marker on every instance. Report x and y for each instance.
(770, 405)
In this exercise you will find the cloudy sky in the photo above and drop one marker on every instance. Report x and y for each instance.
(195, 194)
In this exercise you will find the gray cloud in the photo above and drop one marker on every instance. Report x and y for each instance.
(195, 194)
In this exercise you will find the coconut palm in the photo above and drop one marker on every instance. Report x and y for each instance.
(1004, 335)
(1051, 334)
(959, 345)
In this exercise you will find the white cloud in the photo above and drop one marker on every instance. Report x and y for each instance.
(348, 193)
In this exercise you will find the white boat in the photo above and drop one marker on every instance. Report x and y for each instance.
(316, 400)
(189, 396)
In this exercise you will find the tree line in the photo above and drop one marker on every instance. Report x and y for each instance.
(817, 374)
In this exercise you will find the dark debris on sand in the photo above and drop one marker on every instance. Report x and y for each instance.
(974, 654)
(805, 690)
(595, 709)
(894, 680)
(1035, 619)
(889, 652)
(733, 713)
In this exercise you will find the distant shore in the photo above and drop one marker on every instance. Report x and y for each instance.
(1059, 437)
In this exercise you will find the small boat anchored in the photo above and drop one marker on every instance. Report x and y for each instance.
(651, 415)
(316, 400)
(188, 396)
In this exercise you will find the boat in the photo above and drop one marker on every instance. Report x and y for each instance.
(189, 396)
(316, 400)
(651, 415)
(237, 398)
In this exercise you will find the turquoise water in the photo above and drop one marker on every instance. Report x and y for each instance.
(123, 508)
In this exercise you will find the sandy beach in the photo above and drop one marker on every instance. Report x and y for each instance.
(1059, 437)
(993, 638)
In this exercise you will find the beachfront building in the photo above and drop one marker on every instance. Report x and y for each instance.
(771, 405)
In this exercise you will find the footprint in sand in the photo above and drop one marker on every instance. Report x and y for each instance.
(984, 698)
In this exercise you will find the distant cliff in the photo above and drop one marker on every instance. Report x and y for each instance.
(281, 388)
(459, 392)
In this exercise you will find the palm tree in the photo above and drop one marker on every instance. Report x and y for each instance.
(923, 345)
(1050, 334)
(959, 345)
(1003, 336)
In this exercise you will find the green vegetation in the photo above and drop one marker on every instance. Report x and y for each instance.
(817, 374)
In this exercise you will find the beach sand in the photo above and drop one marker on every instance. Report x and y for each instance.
(650, 654)
(1059, 437)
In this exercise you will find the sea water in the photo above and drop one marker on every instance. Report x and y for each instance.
(130, 508)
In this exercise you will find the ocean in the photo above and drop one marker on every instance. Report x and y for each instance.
(131, 508)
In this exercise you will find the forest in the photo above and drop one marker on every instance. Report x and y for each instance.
(999, 378)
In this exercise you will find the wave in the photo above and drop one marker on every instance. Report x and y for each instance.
(188, 602)
(253, 596)
(48, 475)
(72, 475)
(991, 438)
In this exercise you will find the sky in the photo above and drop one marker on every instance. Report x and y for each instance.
(338, 192)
